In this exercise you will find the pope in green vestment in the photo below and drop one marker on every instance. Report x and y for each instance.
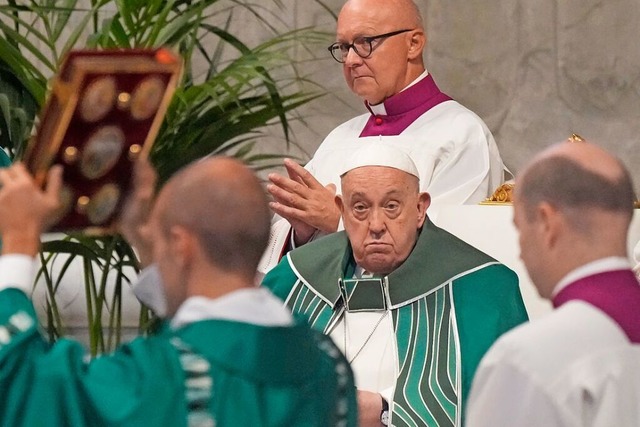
(448, 303)
(210, 372)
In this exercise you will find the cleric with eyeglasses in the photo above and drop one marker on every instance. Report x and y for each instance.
(380, 45)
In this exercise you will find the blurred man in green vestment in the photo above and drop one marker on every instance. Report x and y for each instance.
(232, 354)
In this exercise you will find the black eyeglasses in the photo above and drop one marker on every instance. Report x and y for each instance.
(362, 46)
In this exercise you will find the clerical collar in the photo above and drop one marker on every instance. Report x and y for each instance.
(380, 109)
(399, 111)
(598, 266)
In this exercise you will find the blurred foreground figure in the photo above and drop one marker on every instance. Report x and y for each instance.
(580, 365)
(232, 355)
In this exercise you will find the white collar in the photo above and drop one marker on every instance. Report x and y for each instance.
(253, 305)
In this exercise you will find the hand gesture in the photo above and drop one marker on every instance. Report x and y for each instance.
(304, 202)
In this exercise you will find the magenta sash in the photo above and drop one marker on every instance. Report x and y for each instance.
(616, 293)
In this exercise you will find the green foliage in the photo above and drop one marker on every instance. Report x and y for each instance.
(230, 96)
(17, 111)
(105, 260)
(228, 105)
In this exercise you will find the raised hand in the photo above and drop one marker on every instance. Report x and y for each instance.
(26, 210)
(137, 209)
(303, 201)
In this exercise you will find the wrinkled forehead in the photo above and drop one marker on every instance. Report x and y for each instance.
(370, 179)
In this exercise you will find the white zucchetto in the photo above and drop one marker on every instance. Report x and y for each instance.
(380, 154)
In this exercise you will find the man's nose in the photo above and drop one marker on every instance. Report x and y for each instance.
(352, 58)
(377, 224)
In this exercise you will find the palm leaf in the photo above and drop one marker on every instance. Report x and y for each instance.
(227, 106)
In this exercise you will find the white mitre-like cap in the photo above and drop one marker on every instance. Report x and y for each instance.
(380, 154)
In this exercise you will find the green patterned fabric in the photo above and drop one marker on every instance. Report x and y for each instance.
(449, 303)
(211, 372)
(4, 159)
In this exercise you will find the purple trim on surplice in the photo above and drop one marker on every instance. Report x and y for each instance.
(616, 293)
(404, 108)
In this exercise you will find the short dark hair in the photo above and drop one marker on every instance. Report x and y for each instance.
(566, 184)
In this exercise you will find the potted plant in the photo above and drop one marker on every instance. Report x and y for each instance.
(230, 94)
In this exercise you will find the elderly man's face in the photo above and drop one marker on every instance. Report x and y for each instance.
(384, 73)
(382, 212)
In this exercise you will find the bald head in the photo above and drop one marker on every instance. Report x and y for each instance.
(389, 64)
(587, 155)
(404, 13)
(572, 205)
(577, 177)
(222, 202)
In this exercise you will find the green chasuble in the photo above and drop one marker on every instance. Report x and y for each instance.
(209, 373)
(449, 302)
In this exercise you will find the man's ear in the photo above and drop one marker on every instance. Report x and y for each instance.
(339, 203)
(424, 201)
(183, 245)
(417, 43)
(550, 223)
